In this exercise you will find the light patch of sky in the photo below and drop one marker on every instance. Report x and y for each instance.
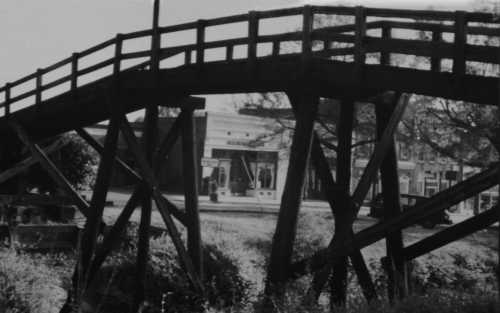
(38, 33)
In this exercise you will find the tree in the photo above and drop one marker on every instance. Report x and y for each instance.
(75, 159)
(465, 132)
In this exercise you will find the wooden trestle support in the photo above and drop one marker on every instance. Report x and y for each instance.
(331, 263)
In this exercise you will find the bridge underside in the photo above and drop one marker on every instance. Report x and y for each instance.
(326, 78)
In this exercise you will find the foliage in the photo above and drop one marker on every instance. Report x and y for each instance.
(27, 285)
(115, 286)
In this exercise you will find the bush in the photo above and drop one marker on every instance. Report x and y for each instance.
(115, 285)
(27, 286)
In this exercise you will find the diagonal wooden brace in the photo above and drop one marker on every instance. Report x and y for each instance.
(332, 192)
(339, 240)
(151, 183)
(113, 235)
(19, 167)
(452, 233)
(440, 201)
(50, 168)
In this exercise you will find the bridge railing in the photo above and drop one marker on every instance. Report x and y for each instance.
(354, 39)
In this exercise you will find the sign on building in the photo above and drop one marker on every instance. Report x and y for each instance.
(209, 162)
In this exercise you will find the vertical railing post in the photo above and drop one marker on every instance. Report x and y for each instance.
(200, 42)
(253, 34)
(118, 55)
(187, 57)
(437, 37)
(229, 52)
(39, 82)
(74, 71)
(385, 57)
(74, 75)
(276, 48)
(359, 50)
(307, 27)
(7, 99)
(460, 40)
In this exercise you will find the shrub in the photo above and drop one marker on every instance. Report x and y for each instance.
(115, 285)
(27, 286)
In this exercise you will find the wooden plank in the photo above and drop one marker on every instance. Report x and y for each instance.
(50, 168)
(398, 277)
(190, 175)
(452, 233)
(150, 181)
(440, 201)
(284, 236)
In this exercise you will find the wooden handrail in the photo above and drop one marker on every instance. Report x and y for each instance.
(458, 50)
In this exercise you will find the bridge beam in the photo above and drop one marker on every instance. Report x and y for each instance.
(394, 262)
(338, 281)
(306, 104)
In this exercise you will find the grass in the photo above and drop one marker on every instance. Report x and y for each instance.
(459, 275)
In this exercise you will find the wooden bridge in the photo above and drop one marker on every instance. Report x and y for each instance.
(351, 62)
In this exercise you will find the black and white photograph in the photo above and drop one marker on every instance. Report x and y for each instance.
(241, 156)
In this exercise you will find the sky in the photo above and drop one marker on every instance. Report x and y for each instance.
(35, 33)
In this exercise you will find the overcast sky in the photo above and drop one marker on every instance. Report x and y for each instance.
(36, 33)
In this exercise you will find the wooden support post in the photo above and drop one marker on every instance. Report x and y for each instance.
(397, 274)
(338, 243)
(435, 204)
(113, 235)
(452, 233)
(338, 281)
(50, 168)
(284, 236)
(150, 134)
(150, 182)
(91, 229)
(190, 174)
(333, 195)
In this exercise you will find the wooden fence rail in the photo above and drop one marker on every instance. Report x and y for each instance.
(459, 50)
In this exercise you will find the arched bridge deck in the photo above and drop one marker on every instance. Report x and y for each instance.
(332, 60)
